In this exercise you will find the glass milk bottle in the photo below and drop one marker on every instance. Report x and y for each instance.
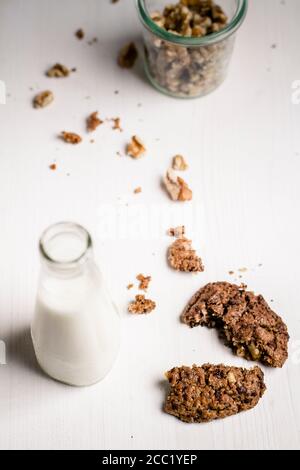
(76, 327)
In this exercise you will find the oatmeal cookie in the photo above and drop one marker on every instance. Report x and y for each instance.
(244, 319)
(202, 394)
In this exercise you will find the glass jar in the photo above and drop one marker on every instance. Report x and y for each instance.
(76, 326)
(186, 66)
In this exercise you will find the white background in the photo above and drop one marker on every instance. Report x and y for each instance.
(243, 147)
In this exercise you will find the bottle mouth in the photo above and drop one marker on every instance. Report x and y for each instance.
(235, 22)
(65, 244)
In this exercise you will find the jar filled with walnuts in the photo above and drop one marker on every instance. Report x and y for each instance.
(188, 44)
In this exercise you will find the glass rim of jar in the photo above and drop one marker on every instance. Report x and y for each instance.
(57, 228)
(228, 30)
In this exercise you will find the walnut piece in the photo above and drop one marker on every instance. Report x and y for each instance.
(182, 257)
(179, 163)
(177, 232)
(117, 124)
(144, 281)
(141, 305)
(71, 137)
(127, 56)
(135, 148)
(93, 122)
(176, 187)
(79, 33)
(58, 71)
(43, 99)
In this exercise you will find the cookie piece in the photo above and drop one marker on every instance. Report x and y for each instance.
(202, 394)
(182, 257)
(248, 324)
(141, 305)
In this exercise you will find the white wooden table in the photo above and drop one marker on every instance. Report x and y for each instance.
(243, 147)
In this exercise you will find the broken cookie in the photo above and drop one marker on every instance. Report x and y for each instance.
(209, 392)
(249, 326)
(183, 257)
(176, 187)
(141, 305)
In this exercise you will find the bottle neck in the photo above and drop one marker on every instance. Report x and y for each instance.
(66, 250)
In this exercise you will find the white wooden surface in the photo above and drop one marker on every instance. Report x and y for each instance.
(243, 147)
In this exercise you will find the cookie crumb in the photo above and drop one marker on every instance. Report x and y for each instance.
(92, 41)
(52, 166)
(130, 286)
(79, 33)
(177, 232)
(117, 124)
(137, 190)
(127, 56)
(242, 270)
(231, 273)
(93, 121)
(71, 137)
(179, 163)
(58, 71)
(176, 187)
(144, 281)
(141, 305)
(135, 148)
(182, 257)
(43, 99)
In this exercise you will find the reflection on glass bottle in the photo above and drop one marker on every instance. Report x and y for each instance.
(76, 327)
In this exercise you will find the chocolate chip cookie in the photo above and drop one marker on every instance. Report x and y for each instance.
(244, 319)
(202, 394)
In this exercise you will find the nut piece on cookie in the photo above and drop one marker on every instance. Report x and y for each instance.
(176, 187)
(93, 121)
(209, 392)
(135, 148)
(58, 71)
(127, 56)
(43, 99)
(245, 320)
(182, 257)
(141, 305)
(179, 163)
(71, 137)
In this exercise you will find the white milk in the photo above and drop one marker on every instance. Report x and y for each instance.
(76, 328)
